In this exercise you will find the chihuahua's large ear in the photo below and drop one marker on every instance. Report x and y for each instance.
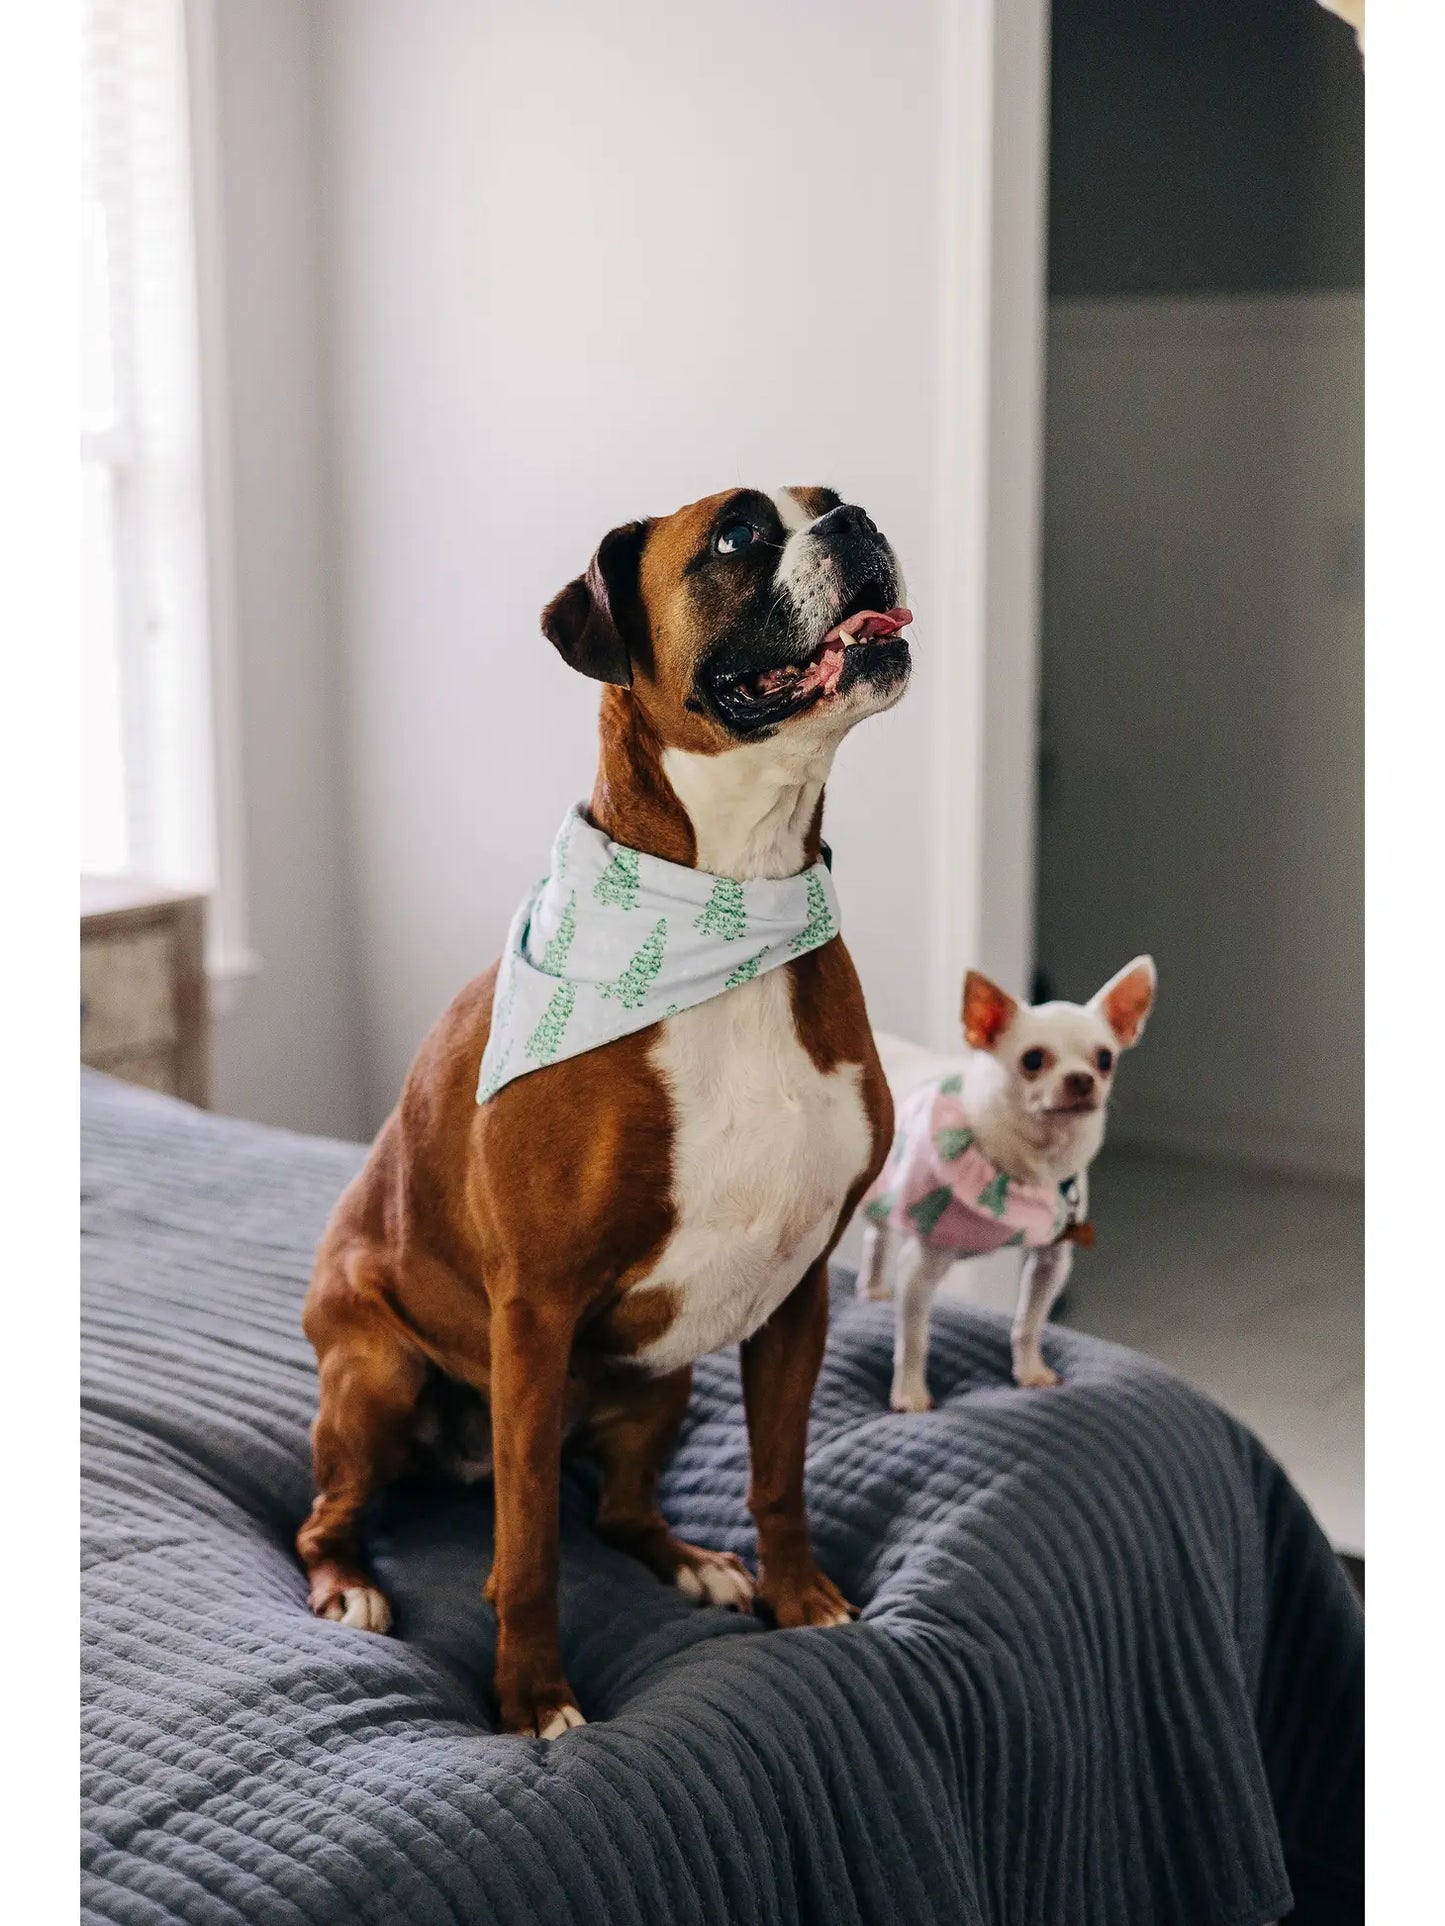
(987, 1011)
(1126, 1000)
(587, 623)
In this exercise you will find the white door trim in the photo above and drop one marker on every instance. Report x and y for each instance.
(992, 217)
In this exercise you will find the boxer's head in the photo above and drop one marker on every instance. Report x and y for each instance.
(748, 614)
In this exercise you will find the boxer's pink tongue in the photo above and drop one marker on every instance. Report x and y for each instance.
(868, 625)
(830, 665)
(824, 668)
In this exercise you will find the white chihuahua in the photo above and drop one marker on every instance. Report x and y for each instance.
(995, 1151)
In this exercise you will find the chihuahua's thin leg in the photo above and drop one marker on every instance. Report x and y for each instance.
(1046, 1272)
(920, 1272)
(874, 1265)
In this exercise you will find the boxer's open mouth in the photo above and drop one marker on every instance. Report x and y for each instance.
(865, 645)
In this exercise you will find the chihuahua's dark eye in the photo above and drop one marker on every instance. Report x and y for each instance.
(733, 537)
(1031, 1062)
(1105, 1061)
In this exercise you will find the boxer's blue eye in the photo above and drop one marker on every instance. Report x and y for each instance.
(735, 537)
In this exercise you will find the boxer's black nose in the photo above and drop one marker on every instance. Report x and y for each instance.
(1080, 1083)
(846, 519)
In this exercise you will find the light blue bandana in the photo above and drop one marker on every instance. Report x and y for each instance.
(613, 939)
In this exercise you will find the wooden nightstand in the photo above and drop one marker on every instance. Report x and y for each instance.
(144, 1009)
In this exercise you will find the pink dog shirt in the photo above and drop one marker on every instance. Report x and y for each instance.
(938, 1186)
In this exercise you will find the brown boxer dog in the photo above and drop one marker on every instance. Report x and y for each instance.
(562, 1253)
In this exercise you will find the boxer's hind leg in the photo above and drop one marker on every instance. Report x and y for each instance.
(370, 1382)
(631, 1433)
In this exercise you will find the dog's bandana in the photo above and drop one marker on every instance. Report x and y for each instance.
(612, 940)
(938, 1186)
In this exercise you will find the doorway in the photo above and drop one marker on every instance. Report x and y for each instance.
(1201, 778)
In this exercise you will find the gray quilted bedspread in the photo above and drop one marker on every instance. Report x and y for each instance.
(1107, 1669)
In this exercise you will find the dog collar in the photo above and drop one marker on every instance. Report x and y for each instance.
(612, 940)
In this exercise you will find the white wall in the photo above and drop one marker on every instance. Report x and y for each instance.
(1203, 681)
(590, 262)
(288, 1050)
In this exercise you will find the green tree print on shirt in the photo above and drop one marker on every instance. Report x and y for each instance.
(952, 1143)
(546, 1040)
(630, 989)
(924, 1215)
(820, 927)
(994, 1195)
(554, 957)
(880, 1209)
(725, 913)
(618, 883)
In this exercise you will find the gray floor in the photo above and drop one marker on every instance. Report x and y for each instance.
(1249, 1285)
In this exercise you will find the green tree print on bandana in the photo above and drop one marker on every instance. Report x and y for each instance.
(725, 913)
(880, 1210)
(924, 1215)
(554, 957)
(952, 1143)
(501, 1017)
(951, 1087)
(546, 1040)
(994, 1195)
(636, 980)
(618, 883)
(608, 943)
(745, 972)
(820, 927)
(564, 843)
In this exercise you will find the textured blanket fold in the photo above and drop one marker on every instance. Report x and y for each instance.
(1107, 1673)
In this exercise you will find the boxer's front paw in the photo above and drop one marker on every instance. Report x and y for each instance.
(541, 1710)
(347, 1597)
(551, 1721)
(712, 1577)
(811, 1598)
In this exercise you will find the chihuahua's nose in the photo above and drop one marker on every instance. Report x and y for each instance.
(1080, 1083)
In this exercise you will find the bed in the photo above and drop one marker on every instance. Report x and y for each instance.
(1107, 1669)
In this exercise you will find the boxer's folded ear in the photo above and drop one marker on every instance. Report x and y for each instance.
(589, 622)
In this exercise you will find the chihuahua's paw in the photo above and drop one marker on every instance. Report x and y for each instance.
(911, 1397)
(875, 1290)
(1034, 1375)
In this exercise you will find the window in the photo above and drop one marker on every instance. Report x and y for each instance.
(150, 669)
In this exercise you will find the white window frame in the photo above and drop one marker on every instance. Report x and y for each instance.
(230, 956)
(191, 831)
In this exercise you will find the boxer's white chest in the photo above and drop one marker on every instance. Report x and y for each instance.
(766, 1148)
